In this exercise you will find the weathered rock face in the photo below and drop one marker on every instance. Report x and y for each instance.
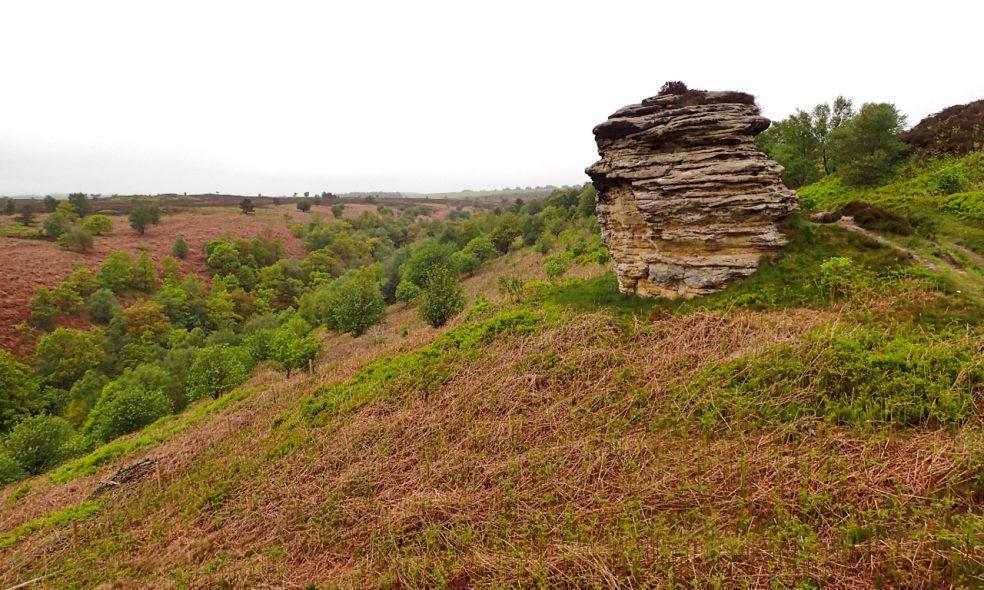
(685, 201)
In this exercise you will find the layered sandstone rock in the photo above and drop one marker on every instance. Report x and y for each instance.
(685, 201)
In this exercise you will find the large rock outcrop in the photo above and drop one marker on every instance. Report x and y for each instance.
(685, 201)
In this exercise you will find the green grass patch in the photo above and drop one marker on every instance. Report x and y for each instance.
(423, 370)
(790, 280)
(55, 519)
(154, 434)
(940, 197)
(862, 376)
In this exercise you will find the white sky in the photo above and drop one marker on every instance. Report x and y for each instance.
(422, 95)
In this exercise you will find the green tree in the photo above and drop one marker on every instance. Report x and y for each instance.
(66, 354)
(116, 272)
(10, 469)
(44, 308)
(826, 120)
(143, 217)
(98, 225)
(869, 148)
(802, 141)
(292, 350)
(81, 281)
(50, 203)
(465, 262)
(145, 275)
(222, 314)
(40, 442)
(217, 369)
(246, 206)
(180, 248)
(81, 203)
(337, 210)
(103, 306)
(223, 258)
(68, 211)
(351, 304)
(145, 319)
(425, 256)
(9, 206)
(26, 217)
(76, 240)
(482, 247)
(83, 395)
(123, 409)
(20, 394)
(55, 225)
(507, 230)
(443, 298)
(586, 202)
(304, 205)
(407, 291)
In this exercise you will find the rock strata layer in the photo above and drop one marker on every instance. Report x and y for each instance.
(686, 203)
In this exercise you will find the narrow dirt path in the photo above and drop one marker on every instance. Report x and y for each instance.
(848, 224)
(966, 280)
(974, 256)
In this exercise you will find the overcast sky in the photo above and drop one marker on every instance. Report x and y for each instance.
(424, 95)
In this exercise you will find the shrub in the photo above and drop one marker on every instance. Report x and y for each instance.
(354, 303)
(103, 306)
(407, 291)
(44, 308)
(143, 217)
(40, 442)
(76, 240)
(337, 209)
(81, 203)
(465, 262)
(292, 350)
(81, 281)
(66, 354)
(55, 225)
(423, 258)
(170, 268)
(482, 247)
(116, 272)
(442, 297)
(130, 409)
(304, 205)
(67, 210)
(556, 265)
(217, 369)
(20, 394)
(505, 233)
(26, 217)
(223, 258)
(98, 225)
(837, 276)
(246, 206)
(10, 469)
(145, 319)
(145, 275)
(180, 248)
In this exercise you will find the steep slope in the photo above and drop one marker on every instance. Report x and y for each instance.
(532, 444)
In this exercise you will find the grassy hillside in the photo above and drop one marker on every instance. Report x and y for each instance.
(817, 425)
(943, 197)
